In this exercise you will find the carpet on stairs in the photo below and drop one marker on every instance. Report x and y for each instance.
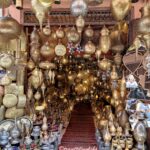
(80, 133)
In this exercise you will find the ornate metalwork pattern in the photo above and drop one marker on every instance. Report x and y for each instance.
(96, 16)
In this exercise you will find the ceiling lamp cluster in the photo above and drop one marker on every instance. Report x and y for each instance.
(120, 9)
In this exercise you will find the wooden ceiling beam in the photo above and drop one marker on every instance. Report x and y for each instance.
(62, 16)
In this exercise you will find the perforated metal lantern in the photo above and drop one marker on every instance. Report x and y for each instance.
(9, 28)
(79, 7)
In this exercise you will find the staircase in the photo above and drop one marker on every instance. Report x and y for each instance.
(81, 131)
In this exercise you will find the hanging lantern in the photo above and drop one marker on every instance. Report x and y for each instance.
(79, 7)
(60, 33)
(120, 8)
(47, 29)
(89, 32)
(80, 23)
(9, 28)
(35, 55)
(90, 48)
(35, 35)
(105, 41)
(73, 36)
(6, 60)
(114, 74)
(30, 64)
(104, 64)
(116, 43)
(39, 10)
(143, 26)
(36, 79)
(46, 50)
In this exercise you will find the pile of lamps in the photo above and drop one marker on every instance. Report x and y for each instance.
(12, 67)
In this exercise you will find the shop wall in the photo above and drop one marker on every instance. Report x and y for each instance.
(66, 4)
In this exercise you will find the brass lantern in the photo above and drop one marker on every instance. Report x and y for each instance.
(90, 48)
(120, 8)
(80, 23)
(73, 36)
(104, 64)
(39, 10)
(89, 32)
(143, 25)
(105, 41)
(9, 28)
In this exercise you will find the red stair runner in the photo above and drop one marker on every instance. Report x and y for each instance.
(81, 131)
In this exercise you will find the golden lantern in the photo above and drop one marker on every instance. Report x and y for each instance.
(9, 28)
(120, 8)
(116, 43)
(46, 50)
(40, 11)
(105, 41)
(80, 23)
(60, 33)
(104, 64)
(89, 32)
(73, 35)
(143, 26)
(114, 74)
(90, 48)
(47, 29)
(30, 64)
